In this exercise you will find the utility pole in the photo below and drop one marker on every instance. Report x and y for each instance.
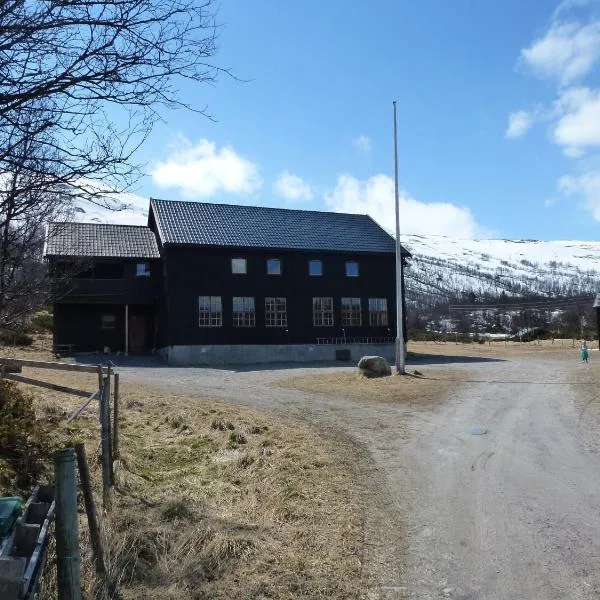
(400, 360)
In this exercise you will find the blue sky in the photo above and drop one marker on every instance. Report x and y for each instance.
(498, 115)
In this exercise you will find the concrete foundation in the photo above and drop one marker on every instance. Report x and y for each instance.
(255, 354)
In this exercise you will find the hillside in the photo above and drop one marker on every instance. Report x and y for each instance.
(502, 286)
(446, 267)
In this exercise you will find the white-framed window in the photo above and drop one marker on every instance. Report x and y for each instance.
(273, 266)
(352, 268)
(244, 313)
(351, 316)
(142, 269)
(378, 312)
(238, 266)
(315, 267)
(210, 311)
(275, 312)
(108, 322)
(323, 312)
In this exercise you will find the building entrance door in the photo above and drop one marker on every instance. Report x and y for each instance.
(137, 334)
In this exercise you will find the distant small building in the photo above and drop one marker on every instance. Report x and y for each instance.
(214, 283)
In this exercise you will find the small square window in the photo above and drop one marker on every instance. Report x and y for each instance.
(142, 270)
(273, 266)
(238, 266)
(351, 268)
(108, 322)
(315, 267)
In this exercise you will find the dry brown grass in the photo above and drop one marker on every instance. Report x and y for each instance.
(410, 389)
(217, 501)
(496, 349)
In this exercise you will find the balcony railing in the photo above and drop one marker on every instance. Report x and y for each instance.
(355, 340)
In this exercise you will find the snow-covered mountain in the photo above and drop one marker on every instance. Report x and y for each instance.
(443, 266)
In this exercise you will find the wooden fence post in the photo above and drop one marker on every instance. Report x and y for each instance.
(90, 509)
(67, 534)
(110, 427)
(100, 377)
(105, 444)
(116, 424)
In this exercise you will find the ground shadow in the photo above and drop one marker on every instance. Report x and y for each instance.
(441, 359)
(154, 362)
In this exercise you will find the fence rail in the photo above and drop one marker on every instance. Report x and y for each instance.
(54, 366)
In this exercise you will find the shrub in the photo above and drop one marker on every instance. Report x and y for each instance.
(43, 321)
(9, 337)
(24, 442)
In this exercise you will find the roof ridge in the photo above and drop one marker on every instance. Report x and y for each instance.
(98, 224)
(254, 206)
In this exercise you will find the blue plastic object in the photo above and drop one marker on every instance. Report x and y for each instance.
(10, 511)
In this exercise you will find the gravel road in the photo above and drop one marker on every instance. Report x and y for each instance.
(493, 494)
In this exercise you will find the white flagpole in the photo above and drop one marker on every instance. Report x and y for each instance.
(400, 360)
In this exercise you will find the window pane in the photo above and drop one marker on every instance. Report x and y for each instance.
(275, 312)
(238, 266)
(352, 269)
(322, 312)
(378, 315)
(351, 313)
(273, 266)
(108, 322)
(315, 267)
(210, 313)
(244, 314)
(142, 270)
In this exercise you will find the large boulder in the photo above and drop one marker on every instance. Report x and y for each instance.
(374, 366)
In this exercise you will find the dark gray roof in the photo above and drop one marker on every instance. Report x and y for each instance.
(205, 224)
(100, 240)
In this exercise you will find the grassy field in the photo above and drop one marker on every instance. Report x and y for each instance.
(498, 349)
(215, 501)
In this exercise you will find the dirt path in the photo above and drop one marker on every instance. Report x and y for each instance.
(512, 513)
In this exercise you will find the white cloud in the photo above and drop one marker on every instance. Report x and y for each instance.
(291, 187)
(567, 52)
(519, 123)
(587, 187)
(375, 197)
(362, 143)
(578, 125)
(202, 170)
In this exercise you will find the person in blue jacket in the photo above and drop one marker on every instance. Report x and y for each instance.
(584, 353)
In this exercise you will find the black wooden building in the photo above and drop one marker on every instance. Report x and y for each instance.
(244, 282)
(108, 285)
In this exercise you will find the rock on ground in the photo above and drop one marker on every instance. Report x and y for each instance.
(374, 366)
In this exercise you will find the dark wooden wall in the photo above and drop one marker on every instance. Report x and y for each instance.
(83, 300)
(81, 325)
(128, 289)
(192, 272)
